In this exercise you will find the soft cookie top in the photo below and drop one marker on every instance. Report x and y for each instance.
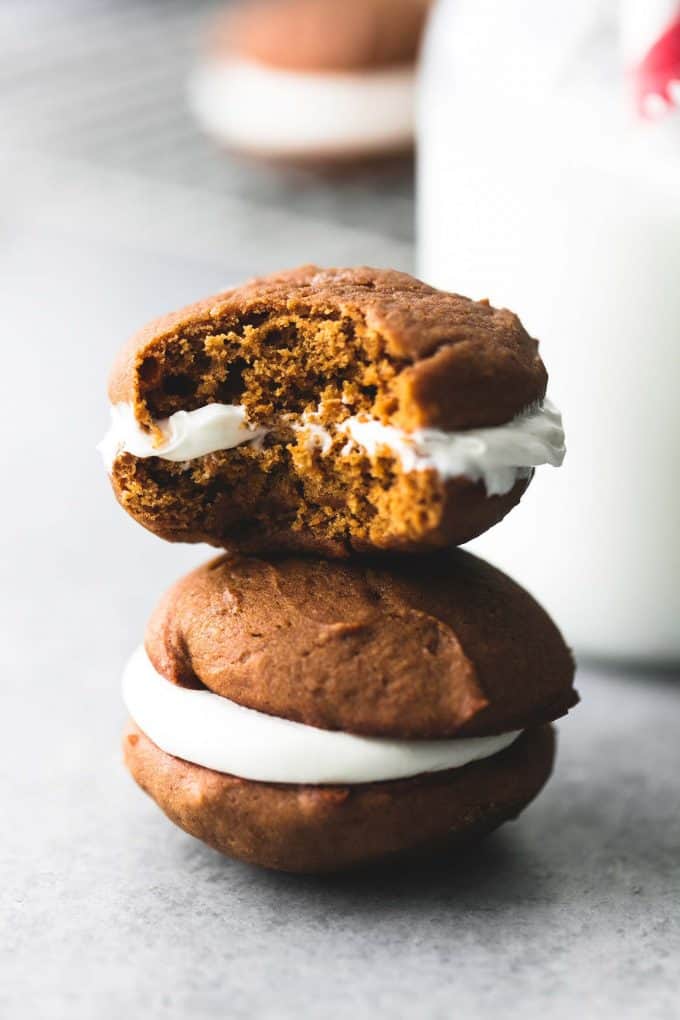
(376, 340)
(323, 35)
(332, 411)
(415, 648)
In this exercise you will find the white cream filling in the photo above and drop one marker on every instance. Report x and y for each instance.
(187, 434)
(498, 456)
(283, 112)
(209, 730)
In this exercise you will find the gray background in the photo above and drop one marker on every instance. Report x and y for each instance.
(112, 209)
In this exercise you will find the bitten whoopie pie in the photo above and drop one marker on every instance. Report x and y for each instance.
(314, 716)
(329, 411)
(312, 79)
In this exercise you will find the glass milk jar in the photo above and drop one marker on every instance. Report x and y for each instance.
(549, 182)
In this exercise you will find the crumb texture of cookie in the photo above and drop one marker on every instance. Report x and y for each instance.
(376, 413)
(354, 340)
(301, 828)
(424, 648)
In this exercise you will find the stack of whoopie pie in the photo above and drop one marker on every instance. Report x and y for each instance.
(342, 684)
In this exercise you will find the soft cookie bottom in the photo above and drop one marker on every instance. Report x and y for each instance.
(300, 828)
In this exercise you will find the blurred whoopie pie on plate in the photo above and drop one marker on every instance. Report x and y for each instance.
(311, 79)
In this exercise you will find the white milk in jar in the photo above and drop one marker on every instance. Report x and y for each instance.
(549, 182)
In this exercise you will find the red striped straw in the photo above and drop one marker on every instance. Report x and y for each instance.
(651, 40)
